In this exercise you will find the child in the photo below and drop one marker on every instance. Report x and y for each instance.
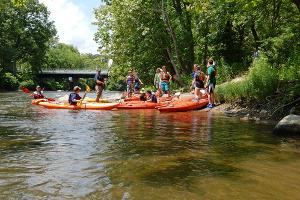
(165, 77)
(151, 97)
(130, 83)
(143, 97)
(74, 97)
(137, 83)
(38, 94)
(157, 78)
(198, 82)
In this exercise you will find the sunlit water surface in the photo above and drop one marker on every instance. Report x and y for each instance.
(140, 154)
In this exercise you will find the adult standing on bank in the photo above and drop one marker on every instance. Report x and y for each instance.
(99, 79)
(165, 78)
(211, 83)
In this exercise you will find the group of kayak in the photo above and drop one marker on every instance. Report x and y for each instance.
(203, 94)
(163, 104)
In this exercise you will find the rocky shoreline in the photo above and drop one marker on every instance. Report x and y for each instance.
(287, 126)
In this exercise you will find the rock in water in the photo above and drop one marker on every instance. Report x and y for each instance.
(289, 125)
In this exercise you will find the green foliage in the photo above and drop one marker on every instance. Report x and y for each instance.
(146, 34)
(24, 34)
(8, 81)
(63, 56)
(30, 84)
(55, 85)
(261, 81)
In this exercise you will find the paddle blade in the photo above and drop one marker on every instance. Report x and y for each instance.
(25, 90)
(87, 88)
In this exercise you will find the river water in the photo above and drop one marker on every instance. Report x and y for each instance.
(140, 154)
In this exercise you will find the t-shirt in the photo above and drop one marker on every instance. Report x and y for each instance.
(99, 77)
(199, 78)
(211, 72)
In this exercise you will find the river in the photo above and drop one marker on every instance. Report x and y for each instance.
(140, 154)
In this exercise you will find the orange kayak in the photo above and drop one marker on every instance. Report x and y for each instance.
(181, 106)
(84, 106)
(138, 105)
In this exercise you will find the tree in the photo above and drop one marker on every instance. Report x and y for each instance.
(25, 32)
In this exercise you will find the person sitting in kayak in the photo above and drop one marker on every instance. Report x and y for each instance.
(38, 94)
(74, 96)
(151, 97)
(143, 97)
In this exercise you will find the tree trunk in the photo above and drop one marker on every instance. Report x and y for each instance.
(178, 77)
(255, 36)
(297, 2)
(172, 34)
(188, 39)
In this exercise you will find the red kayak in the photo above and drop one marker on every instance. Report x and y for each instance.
(181, 106)
(138, 105)
(133, 98)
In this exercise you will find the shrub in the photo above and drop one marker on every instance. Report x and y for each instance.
(30, 84)
(261, 81)
(8, 81)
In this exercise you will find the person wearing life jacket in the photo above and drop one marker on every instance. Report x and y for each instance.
(198, 82)
(193, 76)
(137, 83)
(165, 81)
(130, 83)
(156, 81)
(211, 83)
(100, 84)
(38, 94)
(74, 96)
(151, 97)
(143, 97)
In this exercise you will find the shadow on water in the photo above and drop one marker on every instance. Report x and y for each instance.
(167, 149)
(139, 154)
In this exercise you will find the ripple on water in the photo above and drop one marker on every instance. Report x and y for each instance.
(140, 154)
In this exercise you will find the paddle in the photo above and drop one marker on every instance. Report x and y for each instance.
(27, 91)
(87, 89)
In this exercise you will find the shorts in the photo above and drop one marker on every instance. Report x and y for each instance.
(210, 88)
(99, 89)
(157, 85)
(137, 88)
(164, 86)
(199, 84)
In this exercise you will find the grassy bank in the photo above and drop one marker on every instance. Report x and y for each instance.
(264, 87)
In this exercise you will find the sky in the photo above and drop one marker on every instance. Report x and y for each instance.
(72, 19)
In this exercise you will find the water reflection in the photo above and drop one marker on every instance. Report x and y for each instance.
(140, 154)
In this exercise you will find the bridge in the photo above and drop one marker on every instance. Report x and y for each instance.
(75, 74)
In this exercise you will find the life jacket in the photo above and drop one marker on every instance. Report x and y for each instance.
(73, 96)
(130, 80)
(38, 95)
(199, 76)
(165, 76)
